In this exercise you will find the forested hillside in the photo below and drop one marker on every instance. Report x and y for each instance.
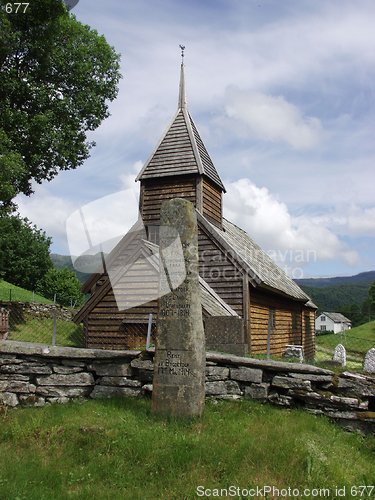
(361, 279)
(333, 298)
(346, 294)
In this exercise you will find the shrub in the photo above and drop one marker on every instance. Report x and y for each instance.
(63, 284)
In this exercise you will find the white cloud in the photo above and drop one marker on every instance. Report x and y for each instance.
(349, 220)
(128, 179)
(47, 211)
(272, 118)
(361, 221)
(289, 240)
(106, 218)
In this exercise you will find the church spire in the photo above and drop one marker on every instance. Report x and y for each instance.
(182, 94)
(180, 151)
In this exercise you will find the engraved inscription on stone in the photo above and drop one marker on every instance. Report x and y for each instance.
(174, 363)
(175, 305)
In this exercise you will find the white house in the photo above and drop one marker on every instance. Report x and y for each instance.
(332, 322)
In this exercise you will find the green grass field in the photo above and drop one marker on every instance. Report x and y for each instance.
(357, 341)
(9, 292)
(40, 331)
(116, 449)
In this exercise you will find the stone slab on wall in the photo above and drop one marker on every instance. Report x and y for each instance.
(35, 375)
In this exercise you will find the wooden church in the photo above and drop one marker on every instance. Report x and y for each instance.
(249, 304)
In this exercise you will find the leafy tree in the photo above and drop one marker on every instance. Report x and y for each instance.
(371, 294)
(355, 315)
(371, 300)
(366, 311)
(24, 252)
(64, 284)
(56, 76)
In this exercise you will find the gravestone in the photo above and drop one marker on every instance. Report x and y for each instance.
(294, 352)
(339, 355)
(369, 364)
(179, 363)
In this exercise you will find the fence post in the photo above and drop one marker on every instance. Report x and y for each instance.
(4, 323)
(269, 337)
(54, 329)
(149, 331)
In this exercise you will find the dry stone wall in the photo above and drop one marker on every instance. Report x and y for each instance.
(37, 310)
(36, 375)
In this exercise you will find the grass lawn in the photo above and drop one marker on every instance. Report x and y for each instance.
(40, 330)
(352, 364)
(115, 449)
(9, 292)
(358, 340)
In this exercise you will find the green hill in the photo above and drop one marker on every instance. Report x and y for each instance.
(358, 340)
(9, 292)
(334, 298)
(363, 279)
(345, 294)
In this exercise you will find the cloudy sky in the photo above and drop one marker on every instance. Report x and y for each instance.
(282, 93)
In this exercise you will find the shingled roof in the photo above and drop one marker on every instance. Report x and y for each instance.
(337, 317)
(260, 268)
(181, 150)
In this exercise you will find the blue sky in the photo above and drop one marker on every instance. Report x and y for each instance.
(282, 94)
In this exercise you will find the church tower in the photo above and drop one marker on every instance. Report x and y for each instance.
(180, 167)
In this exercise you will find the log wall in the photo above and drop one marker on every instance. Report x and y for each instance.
(288, 325)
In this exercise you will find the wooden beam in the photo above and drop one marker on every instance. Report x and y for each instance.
(199, 194)
(245, 310)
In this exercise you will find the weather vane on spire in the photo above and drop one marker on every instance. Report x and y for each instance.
(182, 47)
